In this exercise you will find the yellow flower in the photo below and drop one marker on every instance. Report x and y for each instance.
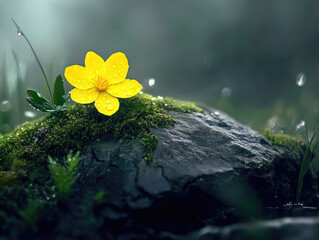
(102, 82)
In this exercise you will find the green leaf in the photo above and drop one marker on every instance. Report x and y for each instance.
(39, 102)
(42, 107)
(37, 97)
(59, 92)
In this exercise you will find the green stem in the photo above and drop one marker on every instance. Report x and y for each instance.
(35, 55)
(303, 169)
(315, 177)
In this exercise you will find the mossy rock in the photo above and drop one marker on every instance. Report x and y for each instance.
(29, 145)
(203, 159)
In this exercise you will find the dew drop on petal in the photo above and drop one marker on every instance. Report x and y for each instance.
(300, 79)
(5, 106)
(151, 82)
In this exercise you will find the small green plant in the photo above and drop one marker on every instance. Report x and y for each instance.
(39, 102)
(30, 214)
(307, 161)
(64, 176)
(35, 99)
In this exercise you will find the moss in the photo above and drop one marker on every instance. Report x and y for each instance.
(177, 106)
(28, 146)
(149, 144)
(280, 139)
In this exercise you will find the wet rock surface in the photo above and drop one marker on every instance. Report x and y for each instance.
(208, 170)
(305, 228)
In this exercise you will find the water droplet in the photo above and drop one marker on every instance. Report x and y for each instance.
(5, 106)
(141, 92)
(19, 32)
(300, 125)
(153, 98)
(216, 113)
(300, 79)
(159, 97)
(151, 82)
(29, 114)
(226, 92)
(272, 122)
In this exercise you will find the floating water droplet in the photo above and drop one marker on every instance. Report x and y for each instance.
(226, 92)
(272, 122)
(29, 114)
(300, 125)
(19, 32)
(5, 106)
(151, 82)
(300, 79)
(141, 92)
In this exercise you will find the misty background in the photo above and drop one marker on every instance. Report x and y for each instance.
(258, 61)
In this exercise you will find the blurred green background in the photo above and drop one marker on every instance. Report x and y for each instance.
(243, 57)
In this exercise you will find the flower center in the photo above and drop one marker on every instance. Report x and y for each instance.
(101, 83)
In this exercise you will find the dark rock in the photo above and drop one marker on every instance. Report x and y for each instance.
(202, 165)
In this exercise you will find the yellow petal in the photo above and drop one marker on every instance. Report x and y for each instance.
(78, 77)
(107, 104)
(127, 88)
(116, 68)
(84, 96)
(93, 61)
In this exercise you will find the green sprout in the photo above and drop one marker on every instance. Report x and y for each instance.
(64, 176)
(35, 99)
